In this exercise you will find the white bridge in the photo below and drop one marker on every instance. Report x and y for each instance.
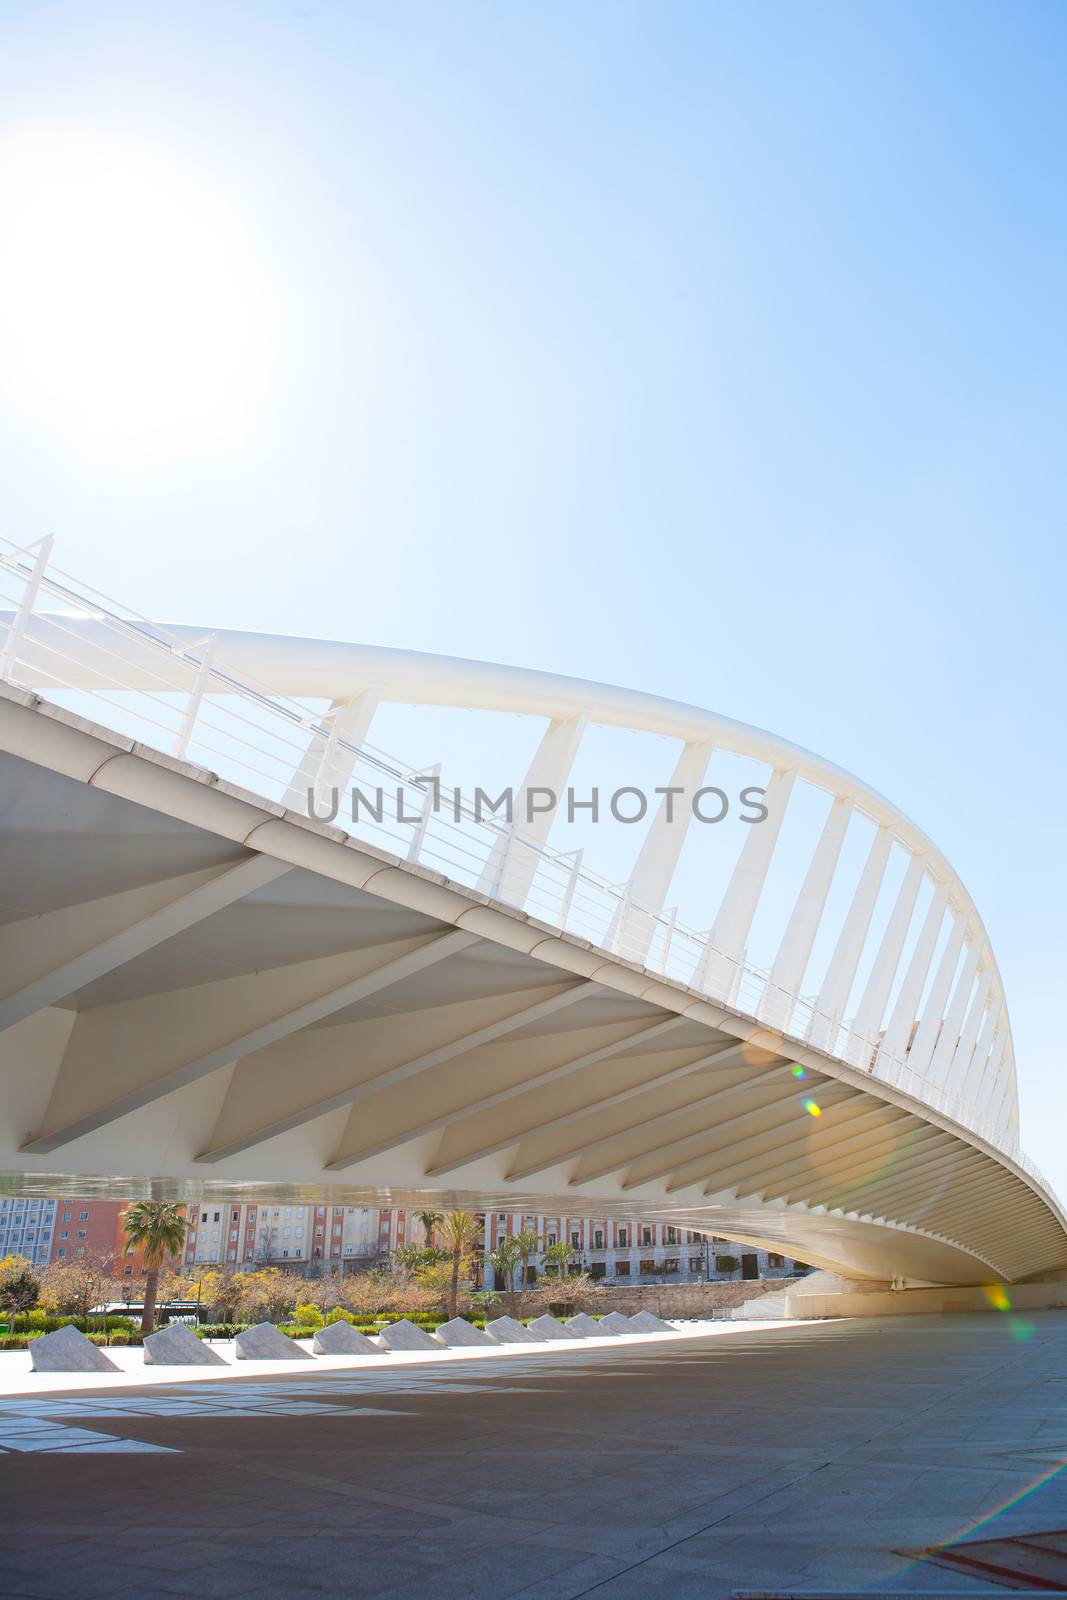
(803, 1043)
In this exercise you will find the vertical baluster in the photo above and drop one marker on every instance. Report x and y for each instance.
(794, 952)
(841, 973)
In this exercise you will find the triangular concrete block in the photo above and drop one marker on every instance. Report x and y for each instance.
(645, 1322)
(265, 1342)
(67, 1350)
(178, 1346)
(616, 1322)
(459, 1334)
(548, 1327)
(588, 1327)
(341, 1339)
(506, 1330)
(404, 1335)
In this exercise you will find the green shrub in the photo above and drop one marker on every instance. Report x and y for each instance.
(307, 1316)
(18, 1341)
(293, 1330)
(220, 1330)
(339, 1314)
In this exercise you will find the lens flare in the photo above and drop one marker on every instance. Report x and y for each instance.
(998, 1297)
(798, 1071)
(813, 1108)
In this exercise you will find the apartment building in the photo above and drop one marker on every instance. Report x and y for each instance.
(26, 1227)
(291, 1234)
(621, 1251)
(315, 1238)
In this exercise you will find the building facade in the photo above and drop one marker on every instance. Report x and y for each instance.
(331, 1238)
(26, 1228)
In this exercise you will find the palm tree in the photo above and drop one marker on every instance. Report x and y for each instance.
(461, 1232)
(504, 1259)
(430, 1220)
(558, 1258)
(527, 1243)
(157, 1228)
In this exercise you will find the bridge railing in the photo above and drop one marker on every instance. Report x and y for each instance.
(79, 648)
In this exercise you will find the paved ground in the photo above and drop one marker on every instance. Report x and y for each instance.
(803, 1455)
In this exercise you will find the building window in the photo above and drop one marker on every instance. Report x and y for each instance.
(83, 1216)
(81, 1233)
(671, 1265)
(624, 1238)
(65, 1233)
(646, 1237)
(622, 1269)
(648, 1268)
(61, 1253)
(672, 1236)
(598, 1239)
(695, 1263)
(576, 1240)
(775, 1261)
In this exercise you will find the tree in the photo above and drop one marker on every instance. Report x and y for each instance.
(558, 1258)
(431, 1220)
(157, 1228)
(461, 1232)
(72, 1287)
(504, 1259)
(19, 1284)
(527, 1243)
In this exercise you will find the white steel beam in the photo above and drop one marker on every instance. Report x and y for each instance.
(863, 1036)
(718, 967)
(511, 1138)
(439, 948)
(50, 984)
(898, 1034)
(794, 952)
(508, 873)
(949, 1037)
(326, 762)
(723, 1059)
(929, 1028)
(841, 973)
(633, 922)
(352, 1094)
(347, 1157)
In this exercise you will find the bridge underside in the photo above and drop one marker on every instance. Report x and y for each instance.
(200, 993)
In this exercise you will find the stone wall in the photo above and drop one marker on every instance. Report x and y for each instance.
(698, 1300)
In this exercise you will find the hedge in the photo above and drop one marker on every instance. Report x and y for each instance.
(39, 1321)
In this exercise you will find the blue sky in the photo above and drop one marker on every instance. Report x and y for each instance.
(711, 349)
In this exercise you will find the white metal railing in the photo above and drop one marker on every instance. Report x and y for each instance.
(80, 649)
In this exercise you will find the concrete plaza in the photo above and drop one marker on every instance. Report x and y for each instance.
(807, 1455)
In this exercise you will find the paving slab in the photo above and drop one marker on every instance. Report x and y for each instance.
(458, 1334)
(549, 1327)
(265, 1342)
(508, 1330)
(68, 1350)
(405, 1335)
(178, 1346)
(341, 1339)
(587, 1327)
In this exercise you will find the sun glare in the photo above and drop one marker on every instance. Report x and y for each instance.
(138, 322)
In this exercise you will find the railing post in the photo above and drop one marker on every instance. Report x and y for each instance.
(418, 837)
(17, 630)
(668, 937)
(572, 884)
(196, 697)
